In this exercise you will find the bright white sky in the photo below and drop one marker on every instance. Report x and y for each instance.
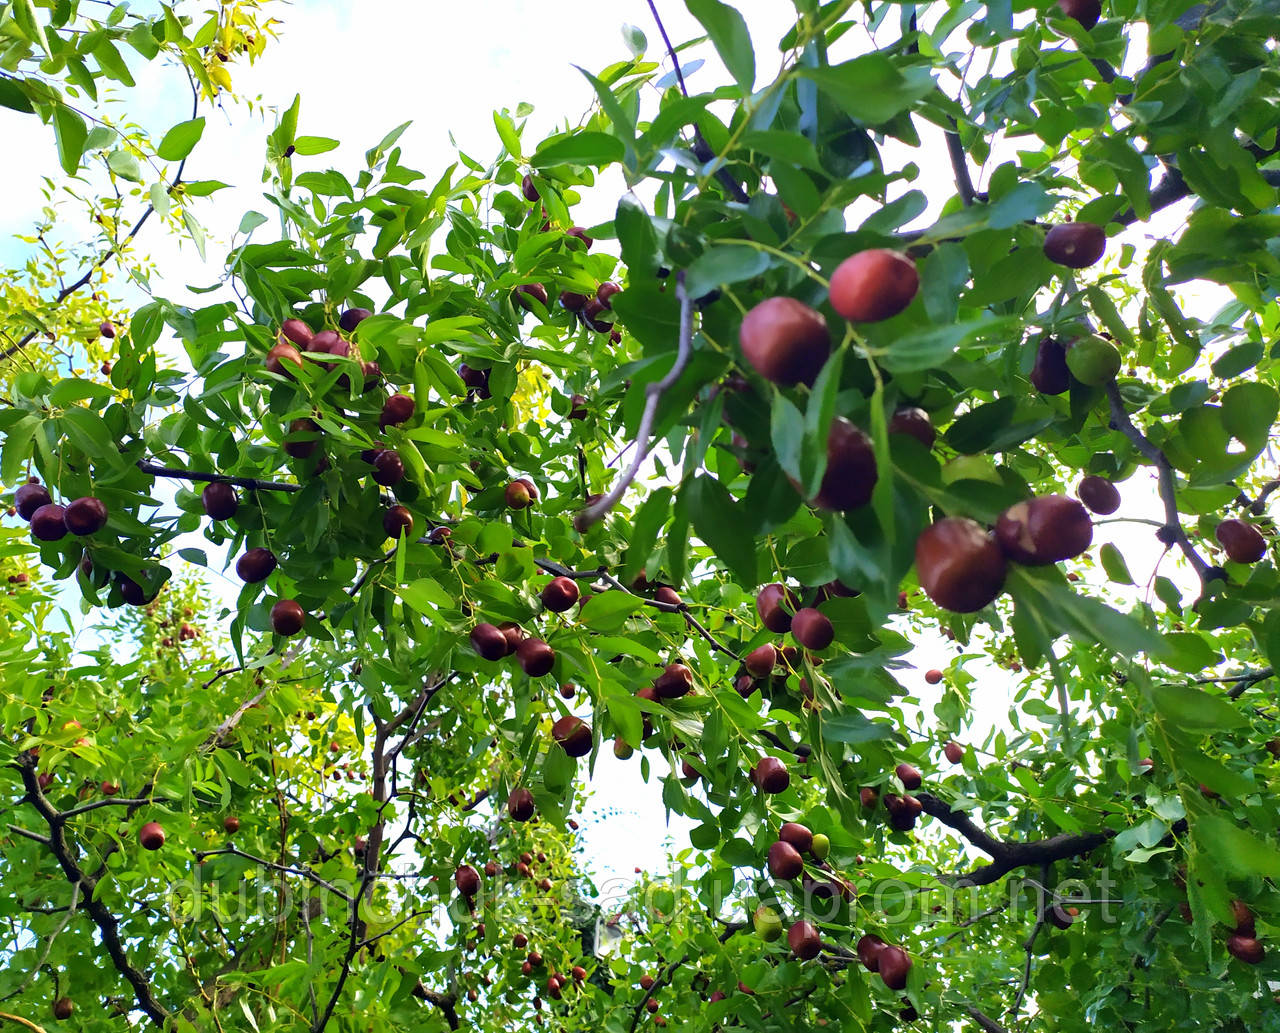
(363, 69)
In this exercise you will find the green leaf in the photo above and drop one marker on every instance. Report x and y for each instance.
(871, 89)
(585, 148)
(1057, 610)
(608, 611)
(932, 346)
(1238, 850)
(1190, 652)
(16, 449)
(727, 263)
(24, 13)
(1193, 710)
(634, 39)
(308, 145)
(507, 133)
(1113, 563)
(71, 134)
(125, 165)
(722, 523)
(728, 31)
(855, 728)
(179, 141)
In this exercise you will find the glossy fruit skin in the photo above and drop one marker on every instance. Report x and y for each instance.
(572, 301)
(761, 661)
(804, 941)
(517, 495)
(1245, 948)
(1076, 245)
(520, 805)
(1086, 12)
(295, 331)
(868, 796)
(324, 342)
(514, 635)
(1058, 917)
(873, 285)
(578, 407)
(279, 355)
(820, 847)
(536, 658)
(770, 775)
(606, 291)
(255, 565)
(560, 594)
(388, 468)
(812, 629)
(529, 189)
(302, 449)
(675, 681)
(895, 964)
(785, 341)
(869, 948)
(1094, 361)
(287, 617)
(769, 603)
(1050, 375)
(954, 752)
(30, 497)
(48, 523)
(63, 1008)
(579, 233)
(231, 824)
(785, 861)
(467, 879)
(908, 776)
(1243, 917)
(622, 749)
(397, 519)
(912, 420)
(959, 565)
(397, 409)
(851, 468)
(1044, 530)
(665, 594)
(526, 291)
(352, 318)
(132, 592)
(1099, 495)
(219, 500)
(151, 836)
(573, 735)
(933, 677)
(85, 516)
(799, 836)
(1240, 540)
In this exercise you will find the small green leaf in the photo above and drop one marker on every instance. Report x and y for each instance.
(1113, 563)
(586, 148)
(1193, 710)
(70, 131)
(722, 523)
(179, 141)
(871, 89)
(125, 165)
(507, 133)
(307, 145)
(728, 31)
(1239, 850)
(726, 263)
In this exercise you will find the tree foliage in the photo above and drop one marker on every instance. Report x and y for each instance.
(449, 469)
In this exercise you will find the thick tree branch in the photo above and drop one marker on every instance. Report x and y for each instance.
(107, 923)
(653, 396)
(1008, 856)
(984, 1022)
(960, 168)
(251, 483)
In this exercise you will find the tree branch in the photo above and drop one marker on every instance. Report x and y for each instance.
(1167, 483)
(984, 1022)
(960, 168)
(301, 870)
(653, 395)
(250, 483)
(1030, 947)
(665, 975)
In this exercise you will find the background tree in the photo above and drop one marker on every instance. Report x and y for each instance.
(710, 469)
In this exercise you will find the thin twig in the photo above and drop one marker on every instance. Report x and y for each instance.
(960, 168)
(250, 483)
(652, 396)
(1030, 947)
(300, 870)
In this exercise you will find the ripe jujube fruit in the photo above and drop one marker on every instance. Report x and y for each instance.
(520, 805)
(1043, 530)
(1243, 918)
(518, 495)
(1075, 244)
(1086, 12)
(1050, 375)
(770, 601)
(912, 420)
(666, 594)
(785, 341)
(30, 497)
(352, 318)
(467, 879)
(954, 752)
(388, 468)
(255, 565)
(536, 658)
(812, 629)
(761, 661)
(804, 941)
(799, 836)
(231, 824)
(894, 967)
(296, 332)
(397, 409)
(1058, 917)
(572, 301)
(1245, 948)
(770, 775)
(287, 617)
(151, 836)
(560, 594)
(527, 291)
(219, 500)
(1099, 494)
(959, 565)
(578, 233)
(324, 342)
(63, 1008)
(48, 523)
(573, 735)
(301, 449)
(606, 291)
(529, 189)
(675, 681)
(932, 676)
(397, 519)
(514, 635)
(785, 861)
(908, 776)
(851, 468)
(280, 357)
(873, 285)
(578, 407)
(1240, 540)
(869, 947)
(85, 516)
